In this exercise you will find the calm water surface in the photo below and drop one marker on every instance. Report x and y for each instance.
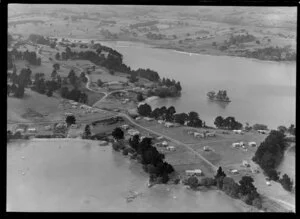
(261, 92)
(77, 176)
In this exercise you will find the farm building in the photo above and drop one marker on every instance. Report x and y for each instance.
(125, 126)
(206, 148)
(74, 126)
(212, 134)
(169, 124)
(262, 131)
(238, 131)
(196, 172)
(20, 130)
(234, 171)
(32, 130)
(245, 163)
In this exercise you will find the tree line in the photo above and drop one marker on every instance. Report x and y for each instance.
(113, 61)
(169, 114)
(144, 151)
(227, 123)
(30, 57)
(244, 189)
(270, 154)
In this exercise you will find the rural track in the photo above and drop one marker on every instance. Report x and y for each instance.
(171, 139)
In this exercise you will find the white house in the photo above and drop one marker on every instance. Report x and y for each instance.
(74, 107)
(171, 148)
(32, 130)
(234, 171)
(148, 119)
(138, 118)
(252, 144)
(268, 183)
(133, 132)
(164, 143)
(169, 124)
(160, 121)
(196, 172)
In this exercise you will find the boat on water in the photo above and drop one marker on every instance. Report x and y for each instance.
(220, 96)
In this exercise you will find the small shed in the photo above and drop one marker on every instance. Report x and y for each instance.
(171, 148)
(125, 126)
(47, 127)
(234, 171)
(211, 134)
(169, 124)
(20, 130)
(160, 121)
(148, 119)
(164, 143)
(32, 130)
(206, 148)
(196, 172)
(252, 144)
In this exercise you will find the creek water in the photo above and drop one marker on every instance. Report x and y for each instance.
(80, 176)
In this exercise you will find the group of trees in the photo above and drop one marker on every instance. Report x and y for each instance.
(260, 127)
(74, 94)
(166, 88)
(237, 39)
(153, 161)
(227, 123)
(30, 57)
(113, 61)
(70, 120)
(272, 53)
(47, 87)
(291, 130)
(169, 114)
(19, 82)
(39, 39)
(269, 155)
(245, 190)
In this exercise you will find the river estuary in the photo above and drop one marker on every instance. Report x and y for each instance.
(261, 91)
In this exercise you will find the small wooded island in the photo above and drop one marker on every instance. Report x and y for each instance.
(220, 96)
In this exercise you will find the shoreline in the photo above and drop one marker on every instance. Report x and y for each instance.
(178, 50)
